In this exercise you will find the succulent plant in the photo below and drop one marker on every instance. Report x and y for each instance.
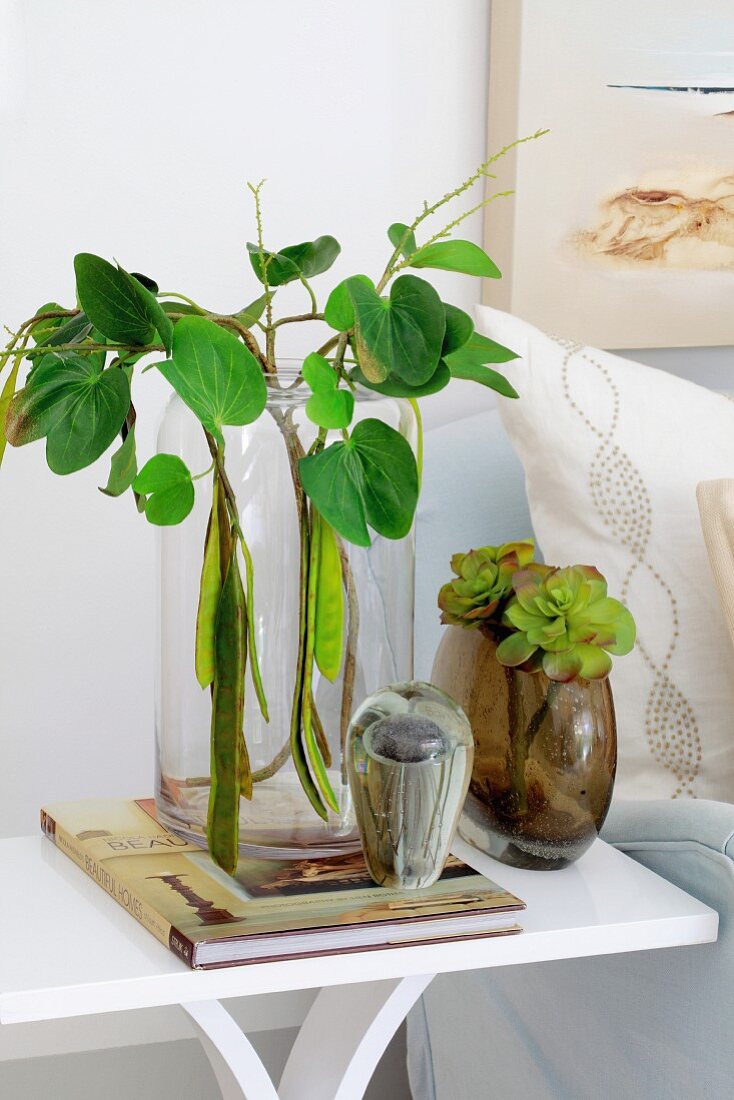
(483, 581)
(563, 621)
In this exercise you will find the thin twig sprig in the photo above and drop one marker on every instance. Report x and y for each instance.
(395, 264)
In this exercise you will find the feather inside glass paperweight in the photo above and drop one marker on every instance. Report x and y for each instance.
(409, 759)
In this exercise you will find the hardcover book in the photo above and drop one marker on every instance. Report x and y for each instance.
(273, 909)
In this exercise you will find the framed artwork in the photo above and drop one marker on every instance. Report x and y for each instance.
(622, 226)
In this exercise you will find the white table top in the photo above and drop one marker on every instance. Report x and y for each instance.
(67, 949)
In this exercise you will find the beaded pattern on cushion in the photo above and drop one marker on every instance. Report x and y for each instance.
(622, 500)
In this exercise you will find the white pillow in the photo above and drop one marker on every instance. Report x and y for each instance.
(613, 451)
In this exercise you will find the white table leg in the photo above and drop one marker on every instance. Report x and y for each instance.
(336, 1050)
(237, 1067)
(344, 1036)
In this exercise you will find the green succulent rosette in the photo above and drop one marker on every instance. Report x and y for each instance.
(483, 581)
(563, 621)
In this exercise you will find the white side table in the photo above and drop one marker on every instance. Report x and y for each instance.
(68, 950)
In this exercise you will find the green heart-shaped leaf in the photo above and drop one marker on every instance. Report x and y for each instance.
(331, 410)
(251, 314)
(339, 311)
(215, 374)
(159, 318)
(6, 396)
(393, 387)
(308, 259)
(461, 256)
(74, 331)
(42, 330)
(401, 335)
(459, 329)
(319, 373)
(402, 237)
(333, 481)
(183, 308)
(390, 477)
(123, 467)
(78, 406)
(118, 304)
(469, 362)
(371, 478)
(166, 481)
(479, 350)
(492, 379)
(328, 406)
(147, 282)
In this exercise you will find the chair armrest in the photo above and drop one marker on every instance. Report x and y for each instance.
(690, 843)
(669, 821)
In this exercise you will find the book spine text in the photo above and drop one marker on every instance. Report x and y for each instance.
(118, 889)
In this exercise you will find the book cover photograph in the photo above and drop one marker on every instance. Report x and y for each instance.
(173, 888)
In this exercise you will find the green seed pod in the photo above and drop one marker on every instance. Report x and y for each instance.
(302, 687)
(210, 587)
(228, 705)
(315, 759)
(329, 629)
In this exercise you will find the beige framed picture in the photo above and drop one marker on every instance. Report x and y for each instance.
(621, 231)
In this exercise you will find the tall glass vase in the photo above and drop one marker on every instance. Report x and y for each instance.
(279, 821)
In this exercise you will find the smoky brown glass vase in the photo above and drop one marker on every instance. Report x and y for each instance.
(545, 754)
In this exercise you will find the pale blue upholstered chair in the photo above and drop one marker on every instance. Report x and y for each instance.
(653, 1025)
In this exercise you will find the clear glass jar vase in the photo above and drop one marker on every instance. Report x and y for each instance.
(545, 754)
(279, 821)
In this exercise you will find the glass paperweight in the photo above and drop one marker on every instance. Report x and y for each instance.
(409, 758)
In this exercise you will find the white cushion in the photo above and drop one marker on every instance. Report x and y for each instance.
(613, 451)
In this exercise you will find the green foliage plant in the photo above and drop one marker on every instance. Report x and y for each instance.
(394, 335)
(559, 620)
(563, 621)
(483, 580)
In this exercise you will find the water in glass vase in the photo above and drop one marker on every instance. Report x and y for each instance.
(545, 754)
(279, 821)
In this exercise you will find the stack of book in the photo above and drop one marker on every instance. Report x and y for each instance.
(273, 909)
